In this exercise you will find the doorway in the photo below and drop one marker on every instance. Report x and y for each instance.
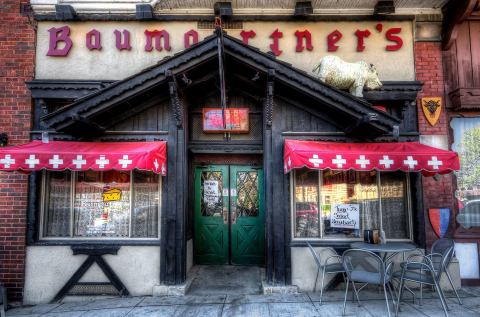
(229, 215)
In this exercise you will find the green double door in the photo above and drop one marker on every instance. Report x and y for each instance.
(229, 215)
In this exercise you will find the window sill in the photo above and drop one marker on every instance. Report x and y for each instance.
(342, 244)
(96, 242)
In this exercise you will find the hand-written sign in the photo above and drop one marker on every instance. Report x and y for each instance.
(345, 216)
(236, 120)
(211, 193)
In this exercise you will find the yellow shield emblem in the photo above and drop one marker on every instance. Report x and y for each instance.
(432, 107)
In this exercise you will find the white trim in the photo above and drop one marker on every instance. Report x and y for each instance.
(128, 7)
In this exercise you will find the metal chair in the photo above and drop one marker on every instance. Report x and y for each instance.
(326, 267)
(439, 248)
(424, 272)
(366, 267)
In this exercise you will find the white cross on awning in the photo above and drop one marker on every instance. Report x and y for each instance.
(386, 161)
(435, 163)
(125, 161)
(410, 162)
(362, 161)
(339, 161)
(7, 161)
(315, 160)
(79, 161)
(102, 161)
(55, 161)
(32, 161)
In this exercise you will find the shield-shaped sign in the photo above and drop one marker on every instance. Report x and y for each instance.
(439, 218)
(432, 107)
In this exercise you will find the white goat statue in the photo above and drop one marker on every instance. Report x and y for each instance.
(344, 75)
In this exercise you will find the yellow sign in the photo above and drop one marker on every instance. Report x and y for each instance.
(432, 107)
(113, 194)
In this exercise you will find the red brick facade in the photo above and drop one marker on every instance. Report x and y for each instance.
(428, 67)
(17, 52)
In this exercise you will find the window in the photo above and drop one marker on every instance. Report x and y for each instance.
(341, 204)
(110, 204)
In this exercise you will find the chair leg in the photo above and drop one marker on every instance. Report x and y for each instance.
(323, 281)
(392, 293)
(451, 284)
(442, 295)
(420, 302)
(355, 294)
(2, 310)
(345, 299)
(386, 299)
(442, 300)
(316, 279)
(400, 291)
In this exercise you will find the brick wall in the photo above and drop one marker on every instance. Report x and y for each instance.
(17, 49)
(428, 67)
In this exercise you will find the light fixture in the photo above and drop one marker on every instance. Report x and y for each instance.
(384, 7)
(143, 12)
(303, 8)
(3, 139)
(64, 12)
(223, 9)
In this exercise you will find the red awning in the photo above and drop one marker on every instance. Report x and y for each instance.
(404, 156)
(82, 156)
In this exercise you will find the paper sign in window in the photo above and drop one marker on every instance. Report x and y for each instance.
(345, 216)
(211, 193)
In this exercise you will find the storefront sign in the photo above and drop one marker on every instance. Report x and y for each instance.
(211, 194)
(345, 216)
(236, 120)
(115, 50)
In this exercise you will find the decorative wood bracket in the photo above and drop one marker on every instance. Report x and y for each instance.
(95, 254)
(175, 102)
(269, 103)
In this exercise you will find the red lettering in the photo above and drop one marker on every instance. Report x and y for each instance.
(192, 34)
(332, 39)
(125, 45)
(308, 40)
(95, 44)
(157, 35)
(57, 35)
(361, 35)
(379, 27)
(246, 35)
(393, 38)
(276, 35)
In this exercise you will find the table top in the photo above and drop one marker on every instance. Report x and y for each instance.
(387, 247)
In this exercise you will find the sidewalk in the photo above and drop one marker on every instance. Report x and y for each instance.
(277, 305)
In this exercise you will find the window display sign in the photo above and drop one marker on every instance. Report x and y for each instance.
(345, 216)
(236, 120)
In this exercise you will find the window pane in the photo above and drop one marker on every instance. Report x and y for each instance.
(146, 202)
(349, 201)
(394, 205)
(247, 194)
(307, 223)
(57, 204)
(102, 204)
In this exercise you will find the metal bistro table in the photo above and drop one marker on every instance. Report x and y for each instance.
(392, 248)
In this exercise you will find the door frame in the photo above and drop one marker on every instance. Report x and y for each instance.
(197, 168)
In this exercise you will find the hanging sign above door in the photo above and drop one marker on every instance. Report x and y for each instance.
(236, 120)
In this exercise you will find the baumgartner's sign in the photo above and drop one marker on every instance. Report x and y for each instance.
(113, 50)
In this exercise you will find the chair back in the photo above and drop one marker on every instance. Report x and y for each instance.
(363, 264)
(445, 248)
(316, 257)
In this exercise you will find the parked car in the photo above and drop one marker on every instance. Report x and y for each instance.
(469, 215)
